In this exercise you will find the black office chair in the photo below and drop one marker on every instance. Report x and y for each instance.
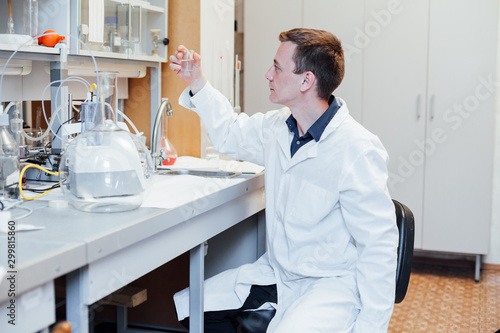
(406, 226)
(257, 321)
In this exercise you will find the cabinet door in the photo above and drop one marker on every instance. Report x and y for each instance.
(345, 20)
(122, 29)
(394, 93)
(458, 176)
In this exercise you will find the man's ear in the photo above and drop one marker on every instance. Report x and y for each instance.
(308, 80)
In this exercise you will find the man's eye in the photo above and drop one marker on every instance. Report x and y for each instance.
(276, 68)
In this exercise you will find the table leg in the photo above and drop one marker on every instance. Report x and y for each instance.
(77, 312)
(196, 280)
(477, 273)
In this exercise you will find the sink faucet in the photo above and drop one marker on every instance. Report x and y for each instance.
(164, 106)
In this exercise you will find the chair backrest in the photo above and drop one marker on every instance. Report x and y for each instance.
(406, 226)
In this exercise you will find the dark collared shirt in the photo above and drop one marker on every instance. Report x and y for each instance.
(316, 129)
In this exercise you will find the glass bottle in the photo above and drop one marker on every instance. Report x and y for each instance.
(111, 36)
(31, 18)
(9, 161)
(105, 169)
(108, 96)
(167, 155)
(16, 125)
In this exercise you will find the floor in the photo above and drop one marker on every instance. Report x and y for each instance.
(445, 298)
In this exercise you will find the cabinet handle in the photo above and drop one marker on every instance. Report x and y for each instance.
(419, 106)
(431, 107)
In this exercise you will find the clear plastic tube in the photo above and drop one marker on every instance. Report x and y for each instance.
(72, 78)
(48, 129)
(126, 118)
(68, 79)
(31, 41)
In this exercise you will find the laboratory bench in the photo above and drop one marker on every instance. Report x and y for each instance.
(99, 253)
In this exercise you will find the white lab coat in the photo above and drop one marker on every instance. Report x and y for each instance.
(329, 217)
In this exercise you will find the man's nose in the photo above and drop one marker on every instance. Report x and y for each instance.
(268, 74)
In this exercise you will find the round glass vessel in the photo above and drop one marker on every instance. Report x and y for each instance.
(105, 169)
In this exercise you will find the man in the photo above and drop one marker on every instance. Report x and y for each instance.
(331, 230)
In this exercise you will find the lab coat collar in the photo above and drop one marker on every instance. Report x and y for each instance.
(310, 150)
(340, 116)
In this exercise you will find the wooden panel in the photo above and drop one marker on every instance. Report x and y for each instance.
(184, 125)
(137, 106)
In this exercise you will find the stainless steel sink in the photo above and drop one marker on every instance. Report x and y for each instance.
(201, 173)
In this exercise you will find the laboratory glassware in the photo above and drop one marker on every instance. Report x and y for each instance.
(188, 61)
(112, 38)
(136, 29)
(212, 157)
(9, 161)
(31, 19)
(10, 20)
(108, 92)
(16, 125)
(163, 151)
(106, 169)
(122, 14)
(88, 115)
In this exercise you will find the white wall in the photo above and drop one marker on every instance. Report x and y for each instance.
(217, 50)
(494, 255)
(274, 17)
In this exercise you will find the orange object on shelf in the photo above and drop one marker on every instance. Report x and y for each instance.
(62, 327)
(50, 38)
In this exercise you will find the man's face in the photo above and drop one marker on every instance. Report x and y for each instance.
(284, 84)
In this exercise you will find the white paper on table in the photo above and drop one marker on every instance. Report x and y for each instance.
(5, 227)
(170, 191)
(194, 163)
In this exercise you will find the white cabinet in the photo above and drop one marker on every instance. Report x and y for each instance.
(394, 95)
(420, 74)
(129, 25)
(427, 96)
(142, 27)
(129, 29)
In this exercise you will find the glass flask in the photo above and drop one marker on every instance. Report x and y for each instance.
(165, 151)
(31, 19)
(9, 161)
(106, 169)
(108, 91)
